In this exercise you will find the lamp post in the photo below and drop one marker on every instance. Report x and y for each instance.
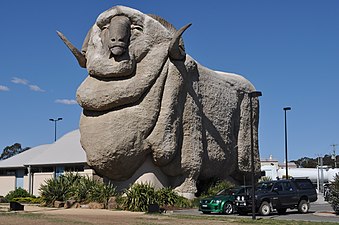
(55, 122)
(251, 95)
(286, 161)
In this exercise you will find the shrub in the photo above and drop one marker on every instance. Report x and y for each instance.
(19, 192)
(183, 202)
(31, 200)
(81, 189)
(100, 192)
(166, 196)
(58, 189)
(76, 187)
(264, 178)
(334, 194)
(217, 187)
(139, 197)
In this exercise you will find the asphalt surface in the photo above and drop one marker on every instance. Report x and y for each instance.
(320, 211)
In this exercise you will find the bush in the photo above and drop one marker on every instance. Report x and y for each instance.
(31, 200)
(19, 192)
(334, 194)
(81, 189)
(75, 187)
(100, 192)
(217, 187)
(183, 202)
(139, 197)
(58, 189)
(166, 196)
(264, 178)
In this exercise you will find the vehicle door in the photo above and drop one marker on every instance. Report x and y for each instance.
(288, 196)
(277, 191)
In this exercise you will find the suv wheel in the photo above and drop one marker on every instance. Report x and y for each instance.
(228, 208)
(303, 206)
(265, 209)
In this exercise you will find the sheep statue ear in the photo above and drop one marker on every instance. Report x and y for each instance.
(175, 50)
(78, 55)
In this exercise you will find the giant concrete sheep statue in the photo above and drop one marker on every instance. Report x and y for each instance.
(151, 113)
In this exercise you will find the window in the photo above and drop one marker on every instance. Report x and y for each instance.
(304, 184)
(42, 170)
(278, 187)
(7, 172)
(287, 186)
(74, 168)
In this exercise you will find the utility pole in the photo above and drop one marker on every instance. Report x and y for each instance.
(334, 156)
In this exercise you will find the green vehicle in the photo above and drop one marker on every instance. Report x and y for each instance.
(222, 202)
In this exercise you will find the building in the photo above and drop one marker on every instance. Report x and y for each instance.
(321, 175)
(31, 168)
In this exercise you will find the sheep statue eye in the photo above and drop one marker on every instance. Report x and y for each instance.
(137, 27)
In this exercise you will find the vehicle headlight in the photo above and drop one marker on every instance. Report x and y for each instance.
(238, 198)
(242, 198)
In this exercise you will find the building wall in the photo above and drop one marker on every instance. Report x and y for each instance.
(7, 184)
(38, 180)
(87, 172)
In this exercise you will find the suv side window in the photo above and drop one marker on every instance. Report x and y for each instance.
(304, 184)
(287, 186)
(278, 187)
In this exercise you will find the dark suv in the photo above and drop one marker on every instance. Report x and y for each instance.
(279, 195)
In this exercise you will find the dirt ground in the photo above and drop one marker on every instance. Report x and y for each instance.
(50, 216)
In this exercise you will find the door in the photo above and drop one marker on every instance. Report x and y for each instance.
(289, 196)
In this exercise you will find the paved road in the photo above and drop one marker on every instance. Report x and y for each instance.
(319, 211)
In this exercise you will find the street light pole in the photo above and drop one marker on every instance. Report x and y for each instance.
(55, 123)
(286, 161)
(253, 95)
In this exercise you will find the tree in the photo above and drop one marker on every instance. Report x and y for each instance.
(306, 162)
(334, 194)
(12, 150)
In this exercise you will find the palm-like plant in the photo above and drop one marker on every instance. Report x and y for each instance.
(100, 192)
(76, 187)
(166, 196)
(139, 197)
(58, 189)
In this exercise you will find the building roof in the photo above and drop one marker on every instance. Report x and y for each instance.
(66, 150)
(20, 159)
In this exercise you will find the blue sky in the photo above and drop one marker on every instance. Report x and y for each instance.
(288, 49)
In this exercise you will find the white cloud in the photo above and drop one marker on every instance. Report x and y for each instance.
(17, 80)
(3, 88)
(66, 101)
(35, 88)
(25, 82)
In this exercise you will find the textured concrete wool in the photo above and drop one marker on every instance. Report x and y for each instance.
(150, 117)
